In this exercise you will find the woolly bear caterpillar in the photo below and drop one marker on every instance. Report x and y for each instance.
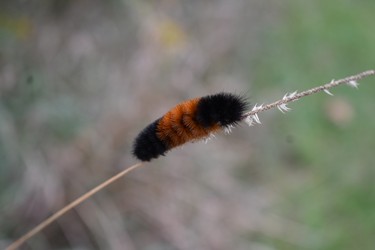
(191, 120)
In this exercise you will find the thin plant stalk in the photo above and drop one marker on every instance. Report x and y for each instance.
(70, 206)
(250, 117)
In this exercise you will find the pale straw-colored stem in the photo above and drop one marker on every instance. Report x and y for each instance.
(253, 113)
(296, 96)
(68, 207)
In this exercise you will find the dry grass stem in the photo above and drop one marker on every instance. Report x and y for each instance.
(252, 116)
(70, 206)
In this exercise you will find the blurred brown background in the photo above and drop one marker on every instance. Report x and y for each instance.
(79, 80)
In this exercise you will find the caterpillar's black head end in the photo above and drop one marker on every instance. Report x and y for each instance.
(223, 108)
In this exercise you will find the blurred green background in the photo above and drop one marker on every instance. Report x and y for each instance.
(79, 80)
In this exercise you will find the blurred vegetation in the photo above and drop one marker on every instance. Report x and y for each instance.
(79, 79)
(332, 153)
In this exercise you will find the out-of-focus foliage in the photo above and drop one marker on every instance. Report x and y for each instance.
(79, 79)
(332, 147)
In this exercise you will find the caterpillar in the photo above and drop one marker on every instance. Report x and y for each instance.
(191, 120)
